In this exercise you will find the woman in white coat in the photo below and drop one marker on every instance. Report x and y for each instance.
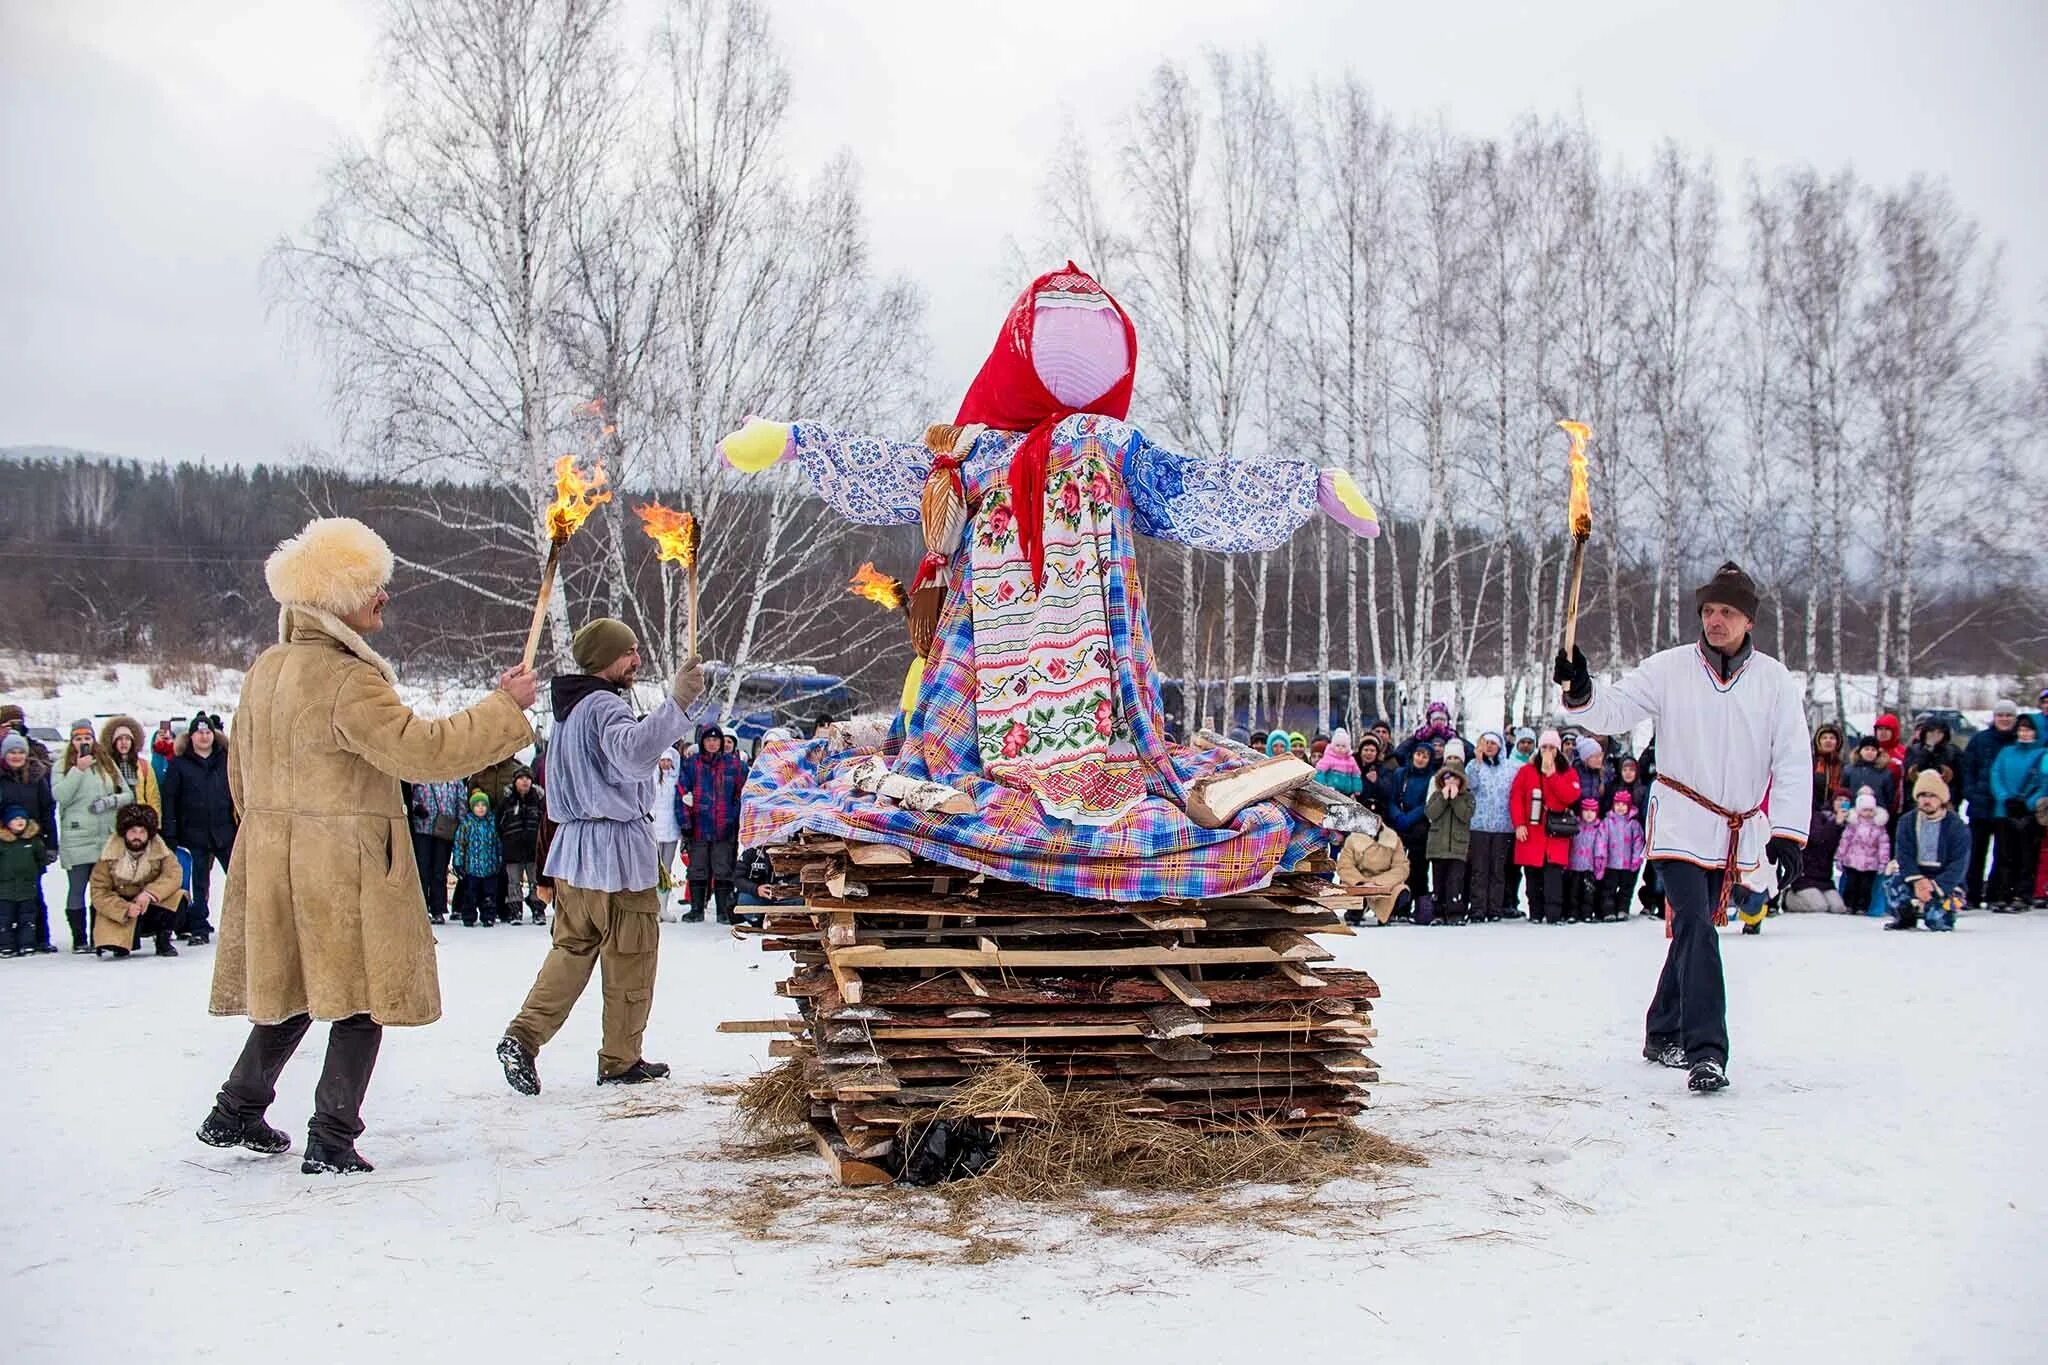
(666, 832)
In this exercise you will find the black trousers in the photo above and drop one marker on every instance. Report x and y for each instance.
(352, 1045)
(1418, 862)
(1511, 880)
(18, 926)
(1690, 1007)
(1857, 887)
(432, 856)
(713, 864)
(195, 916)
(2018, 851)
(1617, 891)
(1581, 895)
(1983, 829)
(1486, 871)
(1546, 893)
(78, 878)
(1447, 887)
(481, 898)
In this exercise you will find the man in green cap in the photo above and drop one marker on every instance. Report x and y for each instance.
(600, 770)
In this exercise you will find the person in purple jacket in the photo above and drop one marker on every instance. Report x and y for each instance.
(1622, 831)
(1588, 864)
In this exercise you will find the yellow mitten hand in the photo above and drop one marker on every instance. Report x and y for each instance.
(1340, 497)
(758, 444)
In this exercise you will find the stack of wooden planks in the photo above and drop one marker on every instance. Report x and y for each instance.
(910, 976)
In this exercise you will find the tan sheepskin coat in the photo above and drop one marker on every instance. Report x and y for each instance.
(323, 912)
(1376, 864)
(161, 876)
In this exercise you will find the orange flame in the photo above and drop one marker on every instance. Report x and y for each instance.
(877, 587)
(1580, 508)
(673, 533)
(577, 495)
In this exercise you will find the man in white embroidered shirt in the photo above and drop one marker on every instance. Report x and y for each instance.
(1731, 741)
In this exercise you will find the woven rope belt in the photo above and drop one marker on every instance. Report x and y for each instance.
(1736, 821)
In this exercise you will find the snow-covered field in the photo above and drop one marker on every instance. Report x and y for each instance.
(1872, 1188)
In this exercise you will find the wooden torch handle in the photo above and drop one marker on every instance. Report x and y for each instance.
(1571, 605)
(540, 604)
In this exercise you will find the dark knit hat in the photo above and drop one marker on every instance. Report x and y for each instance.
(138, 814)
(10, 714)
(602, 643)
(1731, 587)
(9, 814)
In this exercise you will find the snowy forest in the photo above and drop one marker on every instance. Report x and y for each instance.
(569, 236)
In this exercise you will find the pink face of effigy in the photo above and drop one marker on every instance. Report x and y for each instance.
(1078, 352)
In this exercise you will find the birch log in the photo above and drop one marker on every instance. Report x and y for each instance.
(872, 775)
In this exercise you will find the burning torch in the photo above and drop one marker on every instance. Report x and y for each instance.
(675, 538)
(577, 495)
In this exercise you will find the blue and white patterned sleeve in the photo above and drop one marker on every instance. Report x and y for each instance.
(1228, 504)
(868, 479)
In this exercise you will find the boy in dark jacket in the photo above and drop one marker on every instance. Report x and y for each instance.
(1928, 875)
(519, 819)
(24, 853)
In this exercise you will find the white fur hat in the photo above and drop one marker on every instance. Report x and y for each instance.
(336, 564)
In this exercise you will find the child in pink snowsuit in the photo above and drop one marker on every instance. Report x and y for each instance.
(1588, 865)
(1623, 832)
(1863, 852)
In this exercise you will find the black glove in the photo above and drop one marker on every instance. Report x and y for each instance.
(2016, 809)
(1573, 676)
(1784, 855)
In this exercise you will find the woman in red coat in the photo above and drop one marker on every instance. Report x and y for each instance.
(1544, 784)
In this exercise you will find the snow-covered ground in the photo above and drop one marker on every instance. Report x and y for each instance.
(1871, 1188)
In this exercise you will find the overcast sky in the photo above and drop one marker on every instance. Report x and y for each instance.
(152, 150)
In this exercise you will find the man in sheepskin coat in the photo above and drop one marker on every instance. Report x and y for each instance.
(323, 917)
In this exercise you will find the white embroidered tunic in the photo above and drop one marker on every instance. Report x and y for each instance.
(1740, 744)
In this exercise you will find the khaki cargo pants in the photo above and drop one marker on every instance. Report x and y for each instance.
(617, 930)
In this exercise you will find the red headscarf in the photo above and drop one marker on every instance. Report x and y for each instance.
(1008, 395)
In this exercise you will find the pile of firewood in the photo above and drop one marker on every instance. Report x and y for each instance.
(911, 978)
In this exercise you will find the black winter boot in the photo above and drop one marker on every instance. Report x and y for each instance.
(108, 952)
(323, 1158)
(164, 946)
(639, 1073)
(1707, 1076)
(1665, 1054)
(520, 1072)
(221, 1131)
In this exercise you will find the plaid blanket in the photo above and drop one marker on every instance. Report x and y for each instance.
(1152, 853)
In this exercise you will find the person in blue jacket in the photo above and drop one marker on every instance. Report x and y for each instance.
(2017, 783)
(1926, 882)
(1408, 810)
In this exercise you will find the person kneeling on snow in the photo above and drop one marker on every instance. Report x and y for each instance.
(135, 886)
(1934, 843)
(1374, 863)
(1814, 888)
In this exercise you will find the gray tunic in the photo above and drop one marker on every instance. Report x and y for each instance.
(600, 784)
